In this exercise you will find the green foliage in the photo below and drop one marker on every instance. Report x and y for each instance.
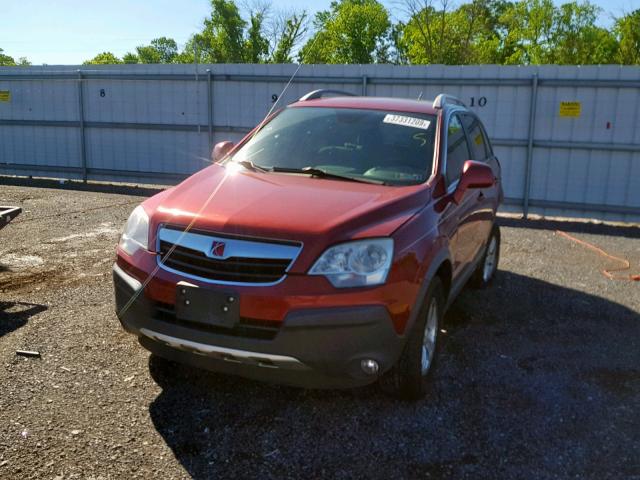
(288, 34)
(529, 25)
(627, 29)
(104, 58)
(256, 45)
(351, 32)
(161, 50)
(147, 54)
(130, 58)
(541, 33)
(466, 35)
(187, 54)
(574, 34)
(8, 61)
(222, 38)
(524, 32)
(511, 32)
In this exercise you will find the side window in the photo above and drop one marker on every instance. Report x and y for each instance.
(457, 150)
(487, 142)
(477, 140)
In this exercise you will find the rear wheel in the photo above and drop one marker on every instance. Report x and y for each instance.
(408, 379)
(486, 269)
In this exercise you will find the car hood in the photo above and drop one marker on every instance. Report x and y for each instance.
(315, 211)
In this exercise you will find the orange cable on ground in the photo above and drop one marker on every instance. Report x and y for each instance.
(607, 272)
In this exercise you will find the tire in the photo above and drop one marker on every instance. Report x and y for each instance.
(486, 269)
(409, 378)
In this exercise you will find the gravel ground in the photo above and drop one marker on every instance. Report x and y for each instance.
(537, 377)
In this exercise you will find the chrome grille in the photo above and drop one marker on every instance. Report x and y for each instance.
(245, 261)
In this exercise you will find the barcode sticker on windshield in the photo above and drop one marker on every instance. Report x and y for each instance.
(407, 121)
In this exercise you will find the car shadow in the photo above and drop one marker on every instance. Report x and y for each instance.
(572, 226)
(14, 315)
(532, 380)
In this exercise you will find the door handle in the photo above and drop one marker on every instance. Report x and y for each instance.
(480, 196)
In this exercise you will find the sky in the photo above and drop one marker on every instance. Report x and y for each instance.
(68, 32)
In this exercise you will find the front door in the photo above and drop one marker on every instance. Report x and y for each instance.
(460, 216)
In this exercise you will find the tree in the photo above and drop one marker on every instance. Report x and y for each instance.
(539, 33)
(392, 50)
(8, 61)
(256, 45)
(350, 32)
(503, 32)
(627, 29)
(521, 32)
(130, 58)
(227, 38)
(104, 58)
(187, 54)
(287, 30)
(421, 38)
(576, 40)
(147, 54)
(222, 38)
(484, 40)
(435, 33)
(161, 50)
(529, 24)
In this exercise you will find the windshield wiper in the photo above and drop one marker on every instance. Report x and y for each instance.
(249, 165)
(316, 172)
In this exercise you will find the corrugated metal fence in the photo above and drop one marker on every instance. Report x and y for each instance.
(568, 137)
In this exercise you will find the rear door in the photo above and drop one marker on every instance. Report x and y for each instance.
(487, 198)
(480, 145)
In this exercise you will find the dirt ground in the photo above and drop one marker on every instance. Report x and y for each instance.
(537, 377)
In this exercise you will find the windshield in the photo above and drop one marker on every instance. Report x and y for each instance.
(381, 146)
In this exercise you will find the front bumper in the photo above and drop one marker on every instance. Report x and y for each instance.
(312, 347)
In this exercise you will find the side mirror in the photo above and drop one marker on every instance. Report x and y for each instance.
(474, 175)
(221, 150)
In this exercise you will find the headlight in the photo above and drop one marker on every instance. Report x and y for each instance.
(356, 264)
(136, 231)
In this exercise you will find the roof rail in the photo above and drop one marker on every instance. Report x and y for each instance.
(444, 98)
(325, 93)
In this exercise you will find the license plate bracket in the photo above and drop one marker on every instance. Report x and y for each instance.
(208, 307)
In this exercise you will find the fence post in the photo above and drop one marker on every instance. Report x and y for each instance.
(532, 131)
(365, 81)
(83, 148)
(210, 110)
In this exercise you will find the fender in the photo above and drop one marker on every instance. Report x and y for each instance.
(438, 259)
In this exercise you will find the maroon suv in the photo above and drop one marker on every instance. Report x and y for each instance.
(323, 249)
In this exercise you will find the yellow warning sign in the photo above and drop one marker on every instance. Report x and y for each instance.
(5, 96)
(570, 109)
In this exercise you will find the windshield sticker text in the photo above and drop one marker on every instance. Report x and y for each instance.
(407, 121)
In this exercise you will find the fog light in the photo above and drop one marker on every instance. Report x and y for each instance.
(369, 366)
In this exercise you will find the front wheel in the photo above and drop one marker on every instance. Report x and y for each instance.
(408, 379)
(486, 269)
